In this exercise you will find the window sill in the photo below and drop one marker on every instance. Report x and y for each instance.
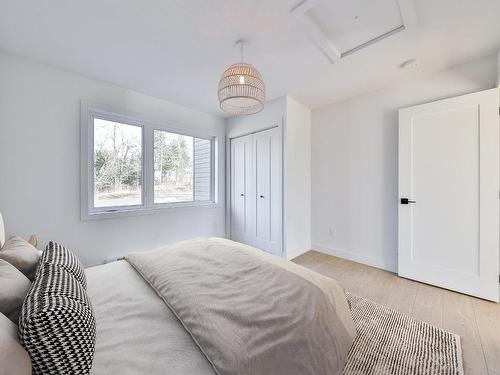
(156, 209)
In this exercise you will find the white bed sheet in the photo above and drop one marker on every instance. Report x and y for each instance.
(137, 334)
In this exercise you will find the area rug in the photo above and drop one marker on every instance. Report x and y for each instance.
(393, 343)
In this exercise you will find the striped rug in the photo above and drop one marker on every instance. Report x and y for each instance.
(393, 343)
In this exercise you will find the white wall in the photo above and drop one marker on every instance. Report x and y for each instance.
(355, 161)
(273, 114)
(40, 163)
(297, 176)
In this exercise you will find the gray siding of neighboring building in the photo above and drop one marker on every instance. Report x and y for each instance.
(202, 169)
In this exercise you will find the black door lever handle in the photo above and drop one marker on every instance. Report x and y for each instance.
(406, 201)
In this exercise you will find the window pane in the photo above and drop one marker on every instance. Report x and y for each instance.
(173, 165)
(117, 164)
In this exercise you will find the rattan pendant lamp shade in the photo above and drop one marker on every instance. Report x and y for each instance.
(241, 89)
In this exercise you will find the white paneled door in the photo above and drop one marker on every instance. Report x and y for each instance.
(241, 189)
(256, 190)
(449, 194)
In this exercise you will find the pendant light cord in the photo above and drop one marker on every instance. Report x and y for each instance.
(240, 43)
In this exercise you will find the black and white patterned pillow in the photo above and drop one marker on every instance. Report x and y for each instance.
(59, 255)
(57, 323)
(53, 280)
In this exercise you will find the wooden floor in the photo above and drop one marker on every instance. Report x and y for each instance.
(475, 320)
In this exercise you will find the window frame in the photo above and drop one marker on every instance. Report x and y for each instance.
(89, 112)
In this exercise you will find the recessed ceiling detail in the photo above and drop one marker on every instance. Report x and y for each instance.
(340, 28)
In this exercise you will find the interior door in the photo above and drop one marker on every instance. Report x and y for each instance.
(449, 194)
(241, 194)
(267, 186)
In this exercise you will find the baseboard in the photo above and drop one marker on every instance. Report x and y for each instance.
(356, 257)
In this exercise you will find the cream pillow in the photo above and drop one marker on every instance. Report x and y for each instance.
(13, 357)
(13, 288)
(21, 255)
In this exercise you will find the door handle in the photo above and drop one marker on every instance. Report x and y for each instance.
(242, 195)
(261, 196)
(406, 201)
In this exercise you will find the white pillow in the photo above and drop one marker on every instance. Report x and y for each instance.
(13, 357)
(13, 289)
(21, 254)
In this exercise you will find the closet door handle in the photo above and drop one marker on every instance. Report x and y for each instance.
(242, 195)
(261, 196)
(407, 201)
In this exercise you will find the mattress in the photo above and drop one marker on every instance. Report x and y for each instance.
(136, 332)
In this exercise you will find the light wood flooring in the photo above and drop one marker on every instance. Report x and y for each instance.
(475, 320)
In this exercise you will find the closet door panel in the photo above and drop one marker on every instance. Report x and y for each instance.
(241, 195)
(268, 199)
(262, 158)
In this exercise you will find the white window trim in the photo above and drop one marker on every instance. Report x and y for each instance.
(89, 111)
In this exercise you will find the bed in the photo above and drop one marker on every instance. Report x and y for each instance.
(144, 322)
(205, 306)
(201, 306)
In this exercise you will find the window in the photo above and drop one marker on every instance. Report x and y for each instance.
(117, 164)
(132, 166)
(182, 168)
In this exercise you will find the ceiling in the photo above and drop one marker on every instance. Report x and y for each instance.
(178, 49)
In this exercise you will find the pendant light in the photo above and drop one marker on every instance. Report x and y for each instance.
(241, 88)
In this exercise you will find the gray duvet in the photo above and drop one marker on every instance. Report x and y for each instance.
(248, 312)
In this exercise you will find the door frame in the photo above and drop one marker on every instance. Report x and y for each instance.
(280, 125)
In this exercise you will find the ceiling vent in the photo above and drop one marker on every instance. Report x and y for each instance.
(340, 28)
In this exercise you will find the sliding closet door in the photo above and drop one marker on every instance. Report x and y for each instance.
(241, 194)
(267, 159)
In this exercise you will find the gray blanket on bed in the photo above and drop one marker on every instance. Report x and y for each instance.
(250, 312)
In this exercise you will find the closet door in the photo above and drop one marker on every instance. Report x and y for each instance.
(241, 194)
(267, 177)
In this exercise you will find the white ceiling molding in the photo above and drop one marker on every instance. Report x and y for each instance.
(329, 48)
